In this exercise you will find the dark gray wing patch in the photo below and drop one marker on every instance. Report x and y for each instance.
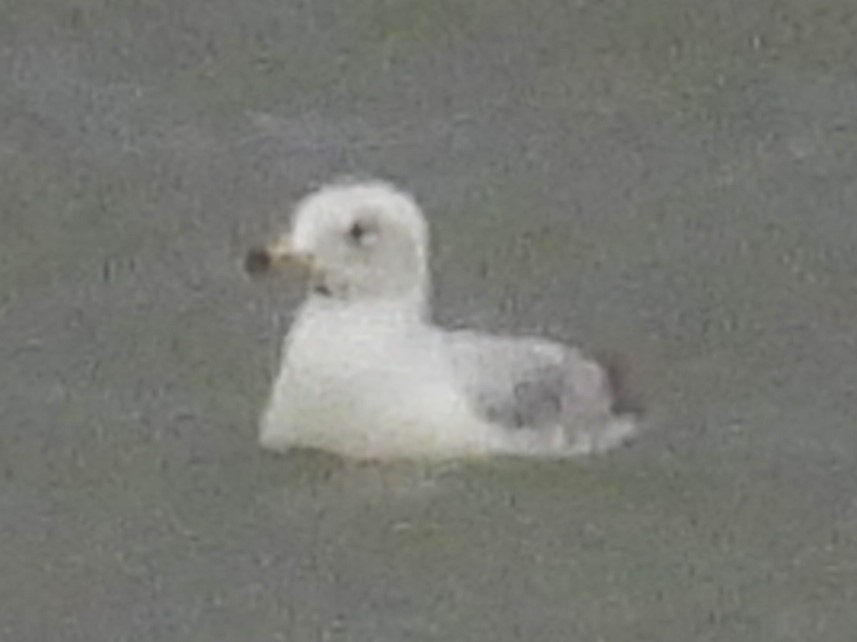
(515, 383)
(533, 401)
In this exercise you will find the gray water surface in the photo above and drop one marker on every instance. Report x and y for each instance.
(674, 181)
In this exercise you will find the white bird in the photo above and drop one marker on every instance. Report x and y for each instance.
(364, 374)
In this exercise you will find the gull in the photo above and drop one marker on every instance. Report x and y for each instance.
(365, 374)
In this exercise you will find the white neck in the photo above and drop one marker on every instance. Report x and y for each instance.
(412, 306)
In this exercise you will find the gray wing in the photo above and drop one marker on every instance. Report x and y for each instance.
(526, 383)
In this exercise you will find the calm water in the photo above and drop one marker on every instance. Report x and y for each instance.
(673, 181)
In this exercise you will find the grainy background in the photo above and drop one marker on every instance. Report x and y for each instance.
(675, 180)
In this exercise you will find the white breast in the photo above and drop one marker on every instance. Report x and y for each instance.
(368, 381)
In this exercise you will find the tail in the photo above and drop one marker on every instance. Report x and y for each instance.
(622, 423)
(623, 399)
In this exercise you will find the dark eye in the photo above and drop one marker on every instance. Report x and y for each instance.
(361, 232)
(357, 231)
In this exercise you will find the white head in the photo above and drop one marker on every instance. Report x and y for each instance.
(360, 240)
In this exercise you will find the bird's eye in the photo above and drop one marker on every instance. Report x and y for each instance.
(361, 232)
(356, 232)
